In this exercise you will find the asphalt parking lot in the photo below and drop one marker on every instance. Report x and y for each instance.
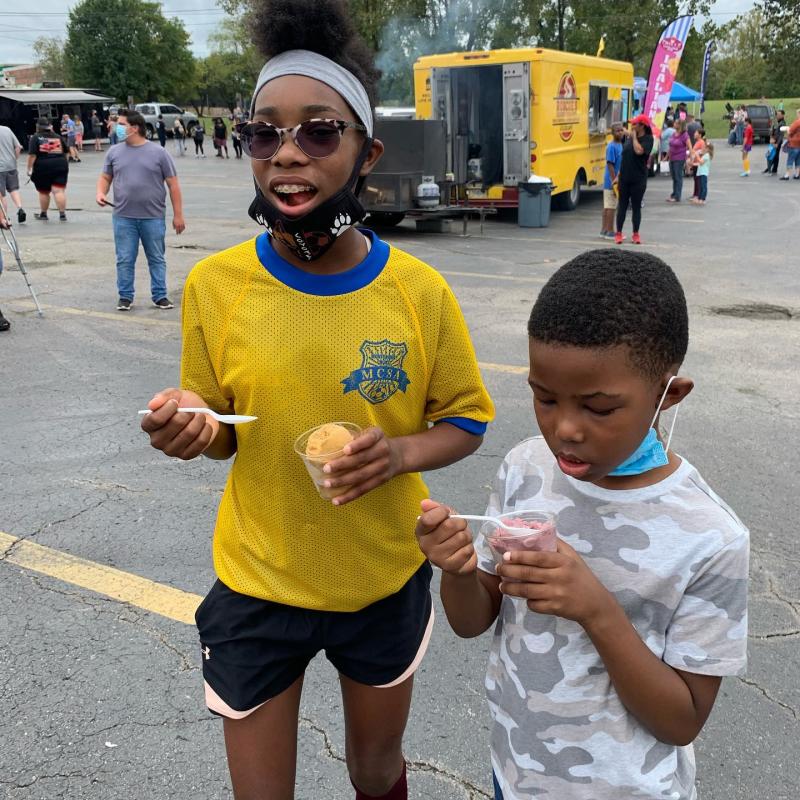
(103, 698)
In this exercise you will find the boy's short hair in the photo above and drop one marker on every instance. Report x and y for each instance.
(604, 298)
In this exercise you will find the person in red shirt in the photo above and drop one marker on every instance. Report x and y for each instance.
(793, 144)
(747, 146)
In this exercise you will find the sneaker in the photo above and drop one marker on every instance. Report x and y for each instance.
(785, 178)
(4, 323)
(62, 215)
(618, 238)
(609, 235)
(671, 200)
(164, 303)
(21, 215)
(636, 239)
(123, 304)
(43, 215)
(744, 175)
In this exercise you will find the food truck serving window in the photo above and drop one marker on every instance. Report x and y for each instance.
(600, 108)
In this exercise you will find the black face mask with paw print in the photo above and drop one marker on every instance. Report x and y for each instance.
(312, 235)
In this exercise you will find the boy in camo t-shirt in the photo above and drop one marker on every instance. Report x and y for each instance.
(607, 654)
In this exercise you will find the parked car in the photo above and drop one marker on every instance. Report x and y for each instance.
(761, 116)
(150, 112)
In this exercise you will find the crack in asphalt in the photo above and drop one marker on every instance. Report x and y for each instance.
(20, 539)
(115, 606)
(473, 792)
(108, 486)
(785, 706)
(793, 605)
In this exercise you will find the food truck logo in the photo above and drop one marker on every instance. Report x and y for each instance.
(566, 106)
(381, 373)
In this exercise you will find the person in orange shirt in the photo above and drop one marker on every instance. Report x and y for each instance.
(793, 160)
(696, 157)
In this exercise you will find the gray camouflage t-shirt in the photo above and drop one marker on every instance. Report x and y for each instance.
(676, 559)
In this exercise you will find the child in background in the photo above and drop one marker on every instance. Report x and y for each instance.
(703, 168)
(313, 321)
(747, 146)
(771, 154)
(610, 190)
(607, 654)
(78, 132)
(698, 147)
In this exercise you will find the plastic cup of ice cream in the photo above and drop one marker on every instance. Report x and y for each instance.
(533, 530)
(321, 444)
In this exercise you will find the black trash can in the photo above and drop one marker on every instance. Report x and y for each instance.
(534, 203)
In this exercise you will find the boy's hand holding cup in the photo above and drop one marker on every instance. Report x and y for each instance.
(557, 583)
(446, 542)
(368, 460)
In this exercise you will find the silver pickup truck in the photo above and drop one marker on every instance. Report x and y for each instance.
(150, 112)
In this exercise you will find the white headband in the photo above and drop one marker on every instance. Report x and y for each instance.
(313, 65)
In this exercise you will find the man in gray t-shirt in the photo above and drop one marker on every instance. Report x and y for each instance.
(139, 169)
(10, 148)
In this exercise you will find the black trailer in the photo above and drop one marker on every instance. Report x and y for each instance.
(20, 108)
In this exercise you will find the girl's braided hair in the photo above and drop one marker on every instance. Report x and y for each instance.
(322, 26)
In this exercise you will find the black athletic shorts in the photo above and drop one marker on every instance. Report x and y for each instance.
(49, 172)
(253, 649)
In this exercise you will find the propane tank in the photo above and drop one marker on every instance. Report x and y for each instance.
(428, 195)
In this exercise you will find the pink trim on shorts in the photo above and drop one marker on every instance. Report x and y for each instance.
(417, 659)
(216, 704)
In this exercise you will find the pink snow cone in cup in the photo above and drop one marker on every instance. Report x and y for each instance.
(533, 530)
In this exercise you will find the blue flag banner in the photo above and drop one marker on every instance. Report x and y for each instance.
(704, 76)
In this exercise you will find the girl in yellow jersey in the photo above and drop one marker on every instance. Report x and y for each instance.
(315, 321)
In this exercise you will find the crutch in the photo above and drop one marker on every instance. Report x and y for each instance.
(11, 241)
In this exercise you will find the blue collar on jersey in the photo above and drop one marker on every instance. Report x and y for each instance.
(358, 277)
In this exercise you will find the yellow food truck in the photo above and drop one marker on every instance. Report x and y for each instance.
(513, 113)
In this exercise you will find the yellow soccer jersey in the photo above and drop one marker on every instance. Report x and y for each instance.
(382, 344)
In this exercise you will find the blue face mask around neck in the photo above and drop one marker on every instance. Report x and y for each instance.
(650, 454)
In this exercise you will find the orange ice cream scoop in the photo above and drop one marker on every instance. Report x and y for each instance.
(326, 439)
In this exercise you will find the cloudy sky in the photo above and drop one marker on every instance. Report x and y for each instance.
(19, 26)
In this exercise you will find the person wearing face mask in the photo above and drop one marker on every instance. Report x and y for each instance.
(312, 321)
(609, 652)
(139, 169)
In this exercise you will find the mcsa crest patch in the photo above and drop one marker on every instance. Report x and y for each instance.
(381, 373)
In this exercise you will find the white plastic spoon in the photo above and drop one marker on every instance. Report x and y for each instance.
(481, 518)
(231, 419)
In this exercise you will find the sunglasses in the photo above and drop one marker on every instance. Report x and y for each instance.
(317, 138)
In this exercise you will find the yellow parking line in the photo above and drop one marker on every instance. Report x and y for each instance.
(493, 277)
(120, 316)
(114, 583)
(504, 368)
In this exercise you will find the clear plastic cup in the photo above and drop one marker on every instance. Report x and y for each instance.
(314, 464)
(533, 530)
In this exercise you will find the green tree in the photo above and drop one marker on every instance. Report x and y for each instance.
(48, 53)
(739, 68)
(128, 47)
(782, 29)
